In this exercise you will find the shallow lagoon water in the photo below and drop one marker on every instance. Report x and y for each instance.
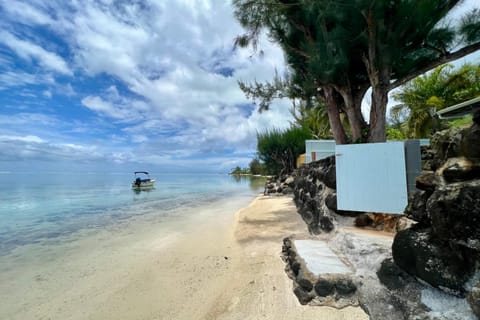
(41, 208)
(59, 230)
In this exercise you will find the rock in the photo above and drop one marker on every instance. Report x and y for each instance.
(324, 287)
(326, 224)
(426, 153)
(418, 253)
(290, 181)
(363, 220)
(392, 276)
(445, 144)
(427, 181)
(345, 287)
(454, 211)
(327, 172)
(417, 207)
(470, 143)
(295, 268)
(460, 169)
(302, 296)
(473, 299)
(287, 190)
(305, 284)
(476, 116)
(331, 201)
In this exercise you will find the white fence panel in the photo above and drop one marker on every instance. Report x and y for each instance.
(371, 177)
(318, 149)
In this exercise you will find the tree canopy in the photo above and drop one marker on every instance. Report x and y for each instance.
(336, 50)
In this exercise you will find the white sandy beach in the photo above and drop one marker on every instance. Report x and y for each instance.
(220, 267)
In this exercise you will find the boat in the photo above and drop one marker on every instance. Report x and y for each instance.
(142, 181)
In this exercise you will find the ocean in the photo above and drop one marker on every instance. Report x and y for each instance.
(43, 209)
(60, 232)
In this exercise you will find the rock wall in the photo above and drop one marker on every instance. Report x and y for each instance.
(315, 195)
(443, 247)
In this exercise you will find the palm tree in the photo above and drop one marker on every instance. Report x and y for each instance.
(421, 98)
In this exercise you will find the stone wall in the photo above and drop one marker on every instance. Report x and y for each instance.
(443, 247)
(315, 195)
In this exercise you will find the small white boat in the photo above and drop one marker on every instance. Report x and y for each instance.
(142, 181)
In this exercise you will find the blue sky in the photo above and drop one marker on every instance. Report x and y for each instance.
(129, 85)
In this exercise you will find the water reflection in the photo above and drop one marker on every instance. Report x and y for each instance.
(256, 183)
(139, 190)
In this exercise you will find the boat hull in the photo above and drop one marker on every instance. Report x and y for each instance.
(143, 185)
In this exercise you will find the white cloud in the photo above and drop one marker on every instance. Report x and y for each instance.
(32, 139)
(26, 13)
(176, 70)
(28, 51)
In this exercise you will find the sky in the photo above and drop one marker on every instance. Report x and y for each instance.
(130, 85)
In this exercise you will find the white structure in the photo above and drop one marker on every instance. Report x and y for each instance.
(376, 177)
(318, 149)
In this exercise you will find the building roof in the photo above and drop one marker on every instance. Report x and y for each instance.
(460, 110)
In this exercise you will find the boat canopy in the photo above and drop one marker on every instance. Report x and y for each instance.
(141, 172)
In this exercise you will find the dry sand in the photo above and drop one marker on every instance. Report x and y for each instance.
(221, 267)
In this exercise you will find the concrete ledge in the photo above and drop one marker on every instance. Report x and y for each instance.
(319, 276)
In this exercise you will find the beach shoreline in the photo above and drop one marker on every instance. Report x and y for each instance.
(219, 266)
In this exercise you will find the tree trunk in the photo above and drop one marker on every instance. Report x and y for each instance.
(379, 73)
(334, 117)
(378, 114)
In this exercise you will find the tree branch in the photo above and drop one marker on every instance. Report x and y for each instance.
(442, 60)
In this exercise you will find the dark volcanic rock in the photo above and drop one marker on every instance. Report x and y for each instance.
(303, 296)
(345, 287)
(427, 181)
(324, 287)
(455, 211)
(476, 116)
(326, 224)
(460, 169)
(417, 207)
(327, 172)
(392, 276)
(445, 144)
(313, 187)
(470, 143)
(363, 220)
(305, 284)
(331, 201)
(419, 254)
(295, 268)
(473, 299)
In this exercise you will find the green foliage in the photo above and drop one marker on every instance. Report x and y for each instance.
(257, 167)
(422, 97)
(395, 134)
(280, 149)
(313, 119)
(237, 171)
(463, 122)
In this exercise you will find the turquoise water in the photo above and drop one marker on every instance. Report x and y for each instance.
(47, 208)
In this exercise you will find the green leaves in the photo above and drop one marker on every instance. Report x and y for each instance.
(425, 95)
(280, 149)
